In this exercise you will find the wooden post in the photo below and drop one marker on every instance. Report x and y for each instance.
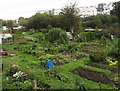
(13, 38)
(34, 85)
(100, 87)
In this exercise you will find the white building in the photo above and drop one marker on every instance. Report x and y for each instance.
(57, 11)
(51, 12)
(104, 8)
(41, 11)
(101, 8)
(87, 11)
(107, 8)
(15, 21)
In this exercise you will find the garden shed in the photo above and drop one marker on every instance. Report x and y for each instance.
(6, 38)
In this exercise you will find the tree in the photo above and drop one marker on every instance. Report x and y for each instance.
(70, 18)
(103, 20)
(39, 21)
(10, 24)
(58, 35)
(0, 23)
(88, 22)
(22, 21)
(55, 20)
(4, 22)
(100, 21)
(116, 10)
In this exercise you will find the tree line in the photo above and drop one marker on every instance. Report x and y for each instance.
(69, 20)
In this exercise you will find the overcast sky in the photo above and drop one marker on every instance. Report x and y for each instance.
(13, 9)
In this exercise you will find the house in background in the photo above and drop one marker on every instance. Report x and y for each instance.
(88, 11)
(104, 8)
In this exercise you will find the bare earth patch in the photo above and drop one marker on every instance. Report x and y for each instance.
(114, 70)
(72, 55)
(92, 47)
(86, 49)
(58, 63)
(95, 76)
(4, 53)
(20, 39)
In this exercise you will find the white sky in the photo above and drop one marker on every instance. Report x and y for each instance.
(13, 9)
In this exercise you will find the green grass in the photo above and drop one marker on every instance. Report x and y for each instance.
(30, 64)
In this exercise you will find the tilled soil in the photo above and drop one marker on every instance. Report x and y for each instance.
(92, 47)
(114, 70)
(95, 76)
(87, 51)
(23, 43)
(73, 55)
(20, 39)
(4, 53)
(58, 63)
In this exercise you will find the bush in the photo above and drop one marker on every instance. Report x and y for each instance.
(72, 47)
(58, 35)
(44, 30)
(39, 37)
(114, 49)
(43, 59)
(98, 56)
(13, 69)
(90, 36)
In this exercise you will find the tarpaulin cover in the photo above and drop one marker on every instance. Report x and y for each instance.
(49, 64)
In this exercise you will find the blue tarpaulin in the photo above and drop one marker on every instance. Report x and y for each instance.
(49, 64)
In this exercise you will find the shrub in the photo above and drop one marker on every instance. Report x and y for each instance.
(43, 59)
(80, 84)
(62, 77)
(62, 48)
(57, 35)
(44, 30)
(114, 49)
(32, 30)
(72, 47)
(98, 56)
(39, 37)
(13, 69)
(90, 36)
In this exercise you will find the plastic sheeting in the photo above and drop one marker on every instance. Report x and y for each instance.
(49, 64)
(5, 36)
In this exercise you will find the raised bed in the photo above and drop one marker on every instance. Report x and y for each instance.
(23, 43)
(95, 76)
(86, 51)
(92, 47)
(72, 55)
(58, 63)
(4, 53)
(12, 54)
(114, 70)
(20, 39)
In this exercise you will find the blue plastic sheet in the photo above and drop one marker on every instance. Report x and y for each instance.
(49, 64)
